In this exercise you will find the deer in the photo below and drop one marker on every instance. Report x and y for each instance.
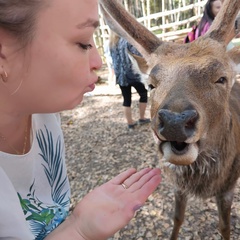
(194, 107)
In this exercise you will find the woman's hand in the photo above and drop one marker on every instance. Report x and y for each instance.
(110, 207)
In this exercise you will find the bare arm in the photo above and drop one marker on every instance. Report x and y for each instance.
(108, 208)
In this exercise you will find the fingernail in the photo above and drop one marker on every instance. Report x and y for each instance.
(137, 207)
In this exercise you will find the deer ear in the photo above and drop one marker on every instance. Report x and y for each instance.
(234, 55)
(140, 61)
(140, 66)
(126, 26)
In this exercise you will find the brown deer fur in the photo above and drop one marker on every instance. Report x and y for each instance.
(195, 107)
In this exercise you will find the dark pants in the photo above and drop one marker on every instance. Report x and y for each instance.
(127, 93)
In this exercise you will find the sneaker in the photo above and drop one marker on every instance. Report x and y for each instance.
(144, 121)
(132, 126)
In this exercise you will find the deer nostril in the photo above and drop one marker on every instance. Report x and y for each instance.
(162, 119)
(191, 123)
(161, 124)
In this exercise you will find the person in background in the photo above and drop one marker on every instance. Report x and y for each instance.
(127, 76)
(107, 54)
(211, 10)
(48, 61)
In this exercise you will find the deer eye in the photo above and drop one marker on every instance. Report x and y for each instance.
(150, 87)
(221, 80)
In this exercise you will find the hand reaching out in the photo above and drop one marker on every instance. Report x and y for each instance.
(110, 207)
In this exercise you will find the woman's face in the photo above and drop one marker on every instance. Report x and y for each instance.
(216, 5)
(59, 65)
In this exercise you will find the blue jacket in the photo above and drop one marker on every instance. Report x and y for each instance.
(122, 65)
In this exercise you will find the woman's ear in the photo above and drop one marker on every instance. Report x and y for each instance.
(3, 43)
(5, 40)
(3, 73)
(1, 52)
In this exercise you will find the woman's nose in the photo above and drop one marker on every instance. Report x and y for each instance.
(96, 60)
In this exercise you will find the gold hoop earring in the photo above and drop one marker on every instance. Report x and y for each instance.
(4, 76)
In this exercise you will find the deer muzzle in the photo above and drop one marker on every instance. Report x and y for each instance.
(174, 131)
(177, 126)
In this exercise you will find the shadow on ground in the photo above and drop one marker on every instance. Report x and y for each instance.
(99, 146)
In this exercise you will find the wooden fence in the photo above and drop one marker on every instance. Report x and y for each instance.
(169, 25)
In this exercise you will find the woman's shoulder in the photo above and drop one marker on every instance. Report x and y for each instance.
(47, 118)
(11, 212)
(47, 125)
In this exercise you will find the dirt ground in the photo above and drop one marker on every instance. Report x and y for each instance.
(99, 146)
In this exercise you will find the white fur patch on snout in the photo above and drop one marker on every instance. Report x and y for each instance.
(185, 159)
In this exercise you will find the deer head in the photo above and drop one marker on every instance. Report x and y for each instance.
(191, 83)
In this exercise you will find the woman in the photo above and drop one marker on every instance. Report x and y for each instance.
(47, 62)
(211, 10)
(128, 76)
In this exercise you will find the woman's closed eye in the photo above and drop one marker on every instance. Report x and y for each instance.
(85, 46)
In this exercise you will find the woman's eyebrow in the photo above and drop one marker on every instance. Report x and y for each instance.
(89, 23)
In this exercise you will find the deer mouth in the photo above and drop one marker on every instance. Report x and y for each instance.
(178, 153)
(179, 148)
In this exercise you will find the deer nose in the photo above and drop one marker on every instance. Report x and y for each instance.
(177, 126)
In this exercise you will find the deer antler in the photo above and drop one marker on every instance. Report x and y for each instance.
(223, 28)
(127, 26)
